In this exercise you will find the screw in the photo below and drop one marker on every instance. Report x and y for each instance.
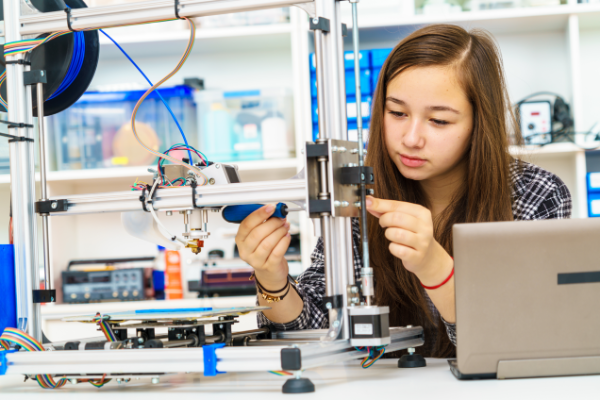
(345, 204)
(371, 192)
(217, 166)
(409, 326)
(189, 212)
(336, 203)
(334, 149)
(336, 324)
(169, 213)
(302, 150)
(362, 177)
(410, 350)
(73, 381)
(119, 380)
(221, 326)
(155, 381)
(353, 151)
(54, 205)
(342, 149)
(179, 336)
(354, 289)
(315, 21)
(211, 181)
(328, 306)
(140, 340)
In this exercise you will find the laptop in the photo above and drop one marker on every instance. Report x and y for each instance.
(527, 298)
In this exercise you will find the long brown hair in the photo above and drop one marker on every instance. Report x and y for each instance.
(486, 191)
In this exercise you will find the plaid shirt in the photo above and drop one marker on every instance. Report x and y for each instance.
(537, 194)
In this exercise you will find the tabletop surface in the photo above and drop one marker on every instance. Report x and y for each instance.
(383, 380)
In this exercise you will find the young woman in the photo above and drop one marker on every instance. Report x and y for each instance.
(439, 150)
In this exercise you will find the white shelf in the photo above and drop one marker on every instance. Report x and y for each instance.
(516, 20)
(149, 42)
(549, 149)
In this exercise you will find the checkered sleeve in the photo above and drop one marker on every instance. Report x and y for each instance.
(539, 194)
(311, 288)
(451, 331)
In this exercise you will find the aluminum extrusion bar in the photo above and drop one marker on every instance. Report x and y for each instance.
(230, 359)
(22, 175)
(181, 198)
(141, 12)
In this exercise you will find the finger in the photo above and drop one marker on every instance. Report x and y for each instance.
(264, 249)
(279, 251)
(403, 237)
(261, 232)
(378, 207)
(402, 252)
(253, 220)
(400, 220)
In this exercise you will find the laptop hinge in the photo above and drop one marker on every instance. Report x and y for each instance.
(548, 367)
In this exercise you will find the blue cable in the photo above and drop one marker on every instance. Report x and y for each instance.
(156, 91)
(74, 66)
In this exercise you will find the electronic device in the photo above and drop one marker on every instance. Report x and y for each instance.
(96, 284)
(536, 121)
(527, 295)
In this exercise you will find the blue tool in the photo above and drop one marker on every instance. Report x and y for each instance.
(236, 214)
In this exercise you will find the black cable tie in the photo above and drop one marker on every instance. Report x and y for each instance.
(22, 62)
(173, 238)
(177, 9)
(68, 12)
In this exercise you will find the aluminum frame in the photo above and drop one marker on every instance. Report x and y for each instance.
(229, 359)
(336, 231)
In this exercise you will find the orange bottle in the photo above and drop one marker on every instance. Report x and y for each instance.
(173, 284)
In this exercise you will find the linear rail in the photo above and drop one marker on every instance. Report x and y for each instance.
(141, 12)
(229, 359)
(182, 198)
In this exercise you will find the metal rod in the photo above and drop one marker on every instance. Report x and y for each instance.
(140, 12)
(327, 254)
(367, 271)
(205, 219)
(22, 173)
(43, 185)
(181, 198)
(320, 72)
(251, 332)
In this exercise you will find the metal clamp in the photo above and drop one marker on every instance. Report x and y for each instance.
(320, 24)
(355, 175)
(68, 12)
(177, 10)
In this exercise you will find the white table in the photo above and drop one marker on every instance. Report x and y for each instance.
(343, 381)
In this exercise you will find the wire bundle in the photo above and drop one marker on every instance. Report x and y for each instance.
(105, 327)
(179, 146)
(281, 373)
(188, 50)
(372, 357)
(17, 337)
(22, 339)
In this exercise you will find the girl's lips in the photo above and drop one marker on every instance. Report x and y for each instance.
(412, 162)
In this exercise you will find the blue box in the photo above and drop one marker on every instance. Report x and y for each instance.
(8, 293)
(365, 83)
(594, 205)
(367, 101)
(365, 60)
(593, 182)
(378, 57)
(315, 111)
(313, 84)
(375, 77)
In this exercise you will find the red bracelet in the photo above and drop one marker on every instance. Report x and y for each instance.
(441, 284)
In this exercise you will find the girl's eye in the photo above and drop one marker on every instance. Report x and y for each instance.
(439, 122)
(397, 113)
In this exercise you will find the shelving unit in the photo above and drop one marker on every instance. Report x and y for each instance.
(543, 48)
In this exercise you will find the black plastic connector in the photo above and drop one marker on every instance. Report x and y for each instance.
(291, 359)
(317, 150)
(357, 175)
(44, 296)
(319, 206)
(51, 206)
(320, 24)
(34, 77)
(331, 302)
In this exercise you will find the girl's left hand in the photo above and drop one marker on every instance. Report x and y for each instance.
(409, 228)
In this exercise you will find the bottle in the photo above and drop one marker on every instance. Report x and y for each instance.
(173, 284)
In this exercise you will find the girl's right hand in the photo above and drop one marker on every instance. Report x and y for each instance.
(262, 242)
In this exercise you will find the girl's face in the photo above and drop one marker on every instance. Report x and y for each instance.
(428, 122)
